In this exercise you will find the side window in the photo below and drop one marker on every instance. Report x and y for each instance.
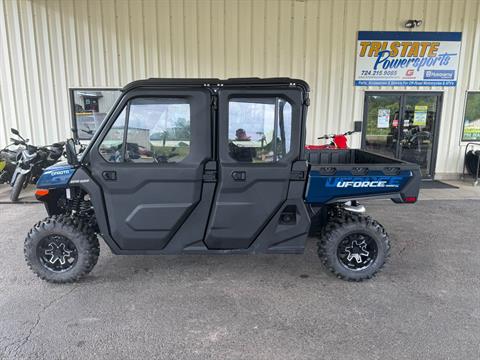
(259, 129)
(111, 147)
(90, 106)
(158, 130)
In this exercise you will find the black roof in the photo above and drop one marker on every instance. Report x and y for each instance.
(252, 81)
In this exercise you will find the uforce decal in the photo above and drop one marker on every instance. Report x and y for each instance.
(365, 182)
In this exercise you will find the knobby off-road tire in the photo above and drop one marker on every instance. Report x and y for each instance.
(61, 249)
(17, 187)
(353, 247)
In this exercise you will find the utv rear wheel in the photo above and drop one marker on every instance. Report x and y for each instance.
(61, 249)
(353, 247)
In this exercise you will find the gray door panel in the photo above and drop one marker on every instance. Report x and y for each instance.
(147, 208)
(242, 209)
(250, 192)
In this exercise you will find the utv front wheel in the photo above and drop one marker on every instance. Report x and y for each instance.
(353, 247)
(60, 249)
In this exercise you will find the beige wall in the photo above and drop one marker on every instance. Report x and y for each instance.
(49, 46)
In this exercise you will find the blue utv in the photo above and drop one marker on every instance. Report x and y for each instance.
(213, 166)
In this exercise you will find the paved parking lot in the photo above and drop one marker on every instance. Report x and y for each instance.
(424, 305)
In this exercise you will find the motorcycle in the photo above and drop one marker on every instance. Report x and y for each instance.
(337, 141)
(31, 162)
(8, 159)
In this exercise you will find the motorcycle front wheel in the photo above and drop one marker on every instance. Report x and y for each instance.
(17, 187)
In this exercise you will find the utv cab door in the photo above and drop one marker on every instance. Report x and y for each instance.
(259, 136)
(149, 161)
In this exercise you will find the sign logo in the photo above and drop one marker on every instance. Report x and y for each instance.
(404, 58)
(439, 74)
(60, 172)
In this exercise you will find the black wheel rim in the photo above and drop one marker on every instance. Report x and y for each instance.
(357, 251)
(57, 253)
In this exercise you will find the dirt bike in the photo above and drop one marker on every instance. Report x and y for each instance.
(337, 141)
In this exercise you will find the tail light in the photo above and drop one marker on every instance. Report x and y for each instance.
(41, 193)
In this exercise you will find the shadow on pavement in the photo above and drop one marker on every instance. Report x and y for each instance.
(27, 196)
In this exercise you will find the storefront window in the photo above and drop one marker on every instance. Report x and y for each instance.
(471, 124)
(89, 108)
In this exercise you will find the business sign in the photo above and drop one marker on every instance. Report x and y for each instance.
(420, 115)
(387, 58)
(383, 119)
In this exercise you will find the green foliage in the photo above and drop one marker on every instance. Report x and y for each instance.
(171, 151)
(472, 111)
(180, 131)
(376, 103)
(472, 114)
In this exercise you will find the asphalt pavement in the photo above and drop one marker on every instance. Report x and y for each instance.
(425, 304)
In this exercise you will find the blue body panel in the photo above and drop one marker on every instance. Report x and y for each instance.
(322, 189)
(56, 176)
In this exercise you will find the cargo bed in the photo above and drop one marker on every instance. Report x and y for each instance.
(351, 174)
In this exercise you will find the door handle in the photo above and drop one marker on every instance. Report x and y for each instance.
(109, 175)
(239, 175)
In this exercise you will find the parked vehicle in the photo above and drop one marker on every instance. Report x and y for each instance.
(8, 158)
(238, 181)
(472, 162)
(415, 144)
(337, 141)
(31, 162)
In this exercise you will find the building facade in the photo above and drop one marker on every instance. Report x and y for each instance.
(51, 46)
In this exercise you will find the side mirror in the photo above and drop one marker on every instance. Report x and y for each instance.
(14, 131)
(71, 152)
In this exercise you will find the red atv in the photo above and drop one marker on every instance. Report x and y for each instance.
(337, 141)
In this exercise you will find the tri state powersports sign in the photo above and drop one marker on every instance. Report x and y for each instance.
(387, 58)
